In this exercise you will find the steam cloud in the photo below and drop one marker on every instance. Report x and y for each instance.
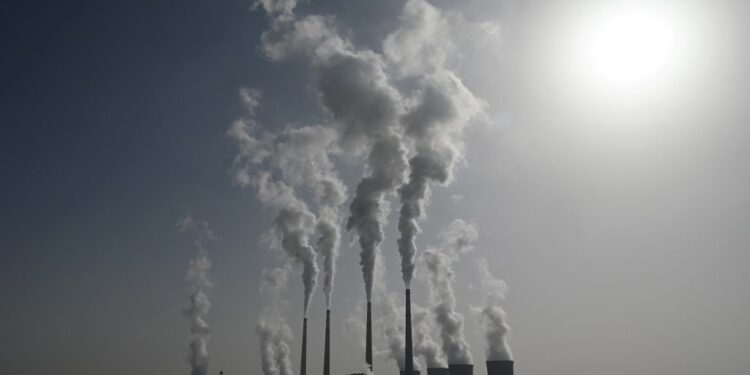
(197, 310)
(492, 317)
(272, 330)
(457, 239)
(352, 87)
(435, 118)
(423, 343)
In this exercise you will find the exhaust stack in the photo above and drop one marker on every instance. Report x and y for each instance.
(327, 350)
(503, 367)
(409, 356)
(461, 369)
(368, 342)
(438, 371)
(303, 361)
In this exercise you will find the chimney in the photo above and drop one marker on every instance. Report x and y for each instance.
(327, 350)
(438, 371)
(409, 356)
(461, 369)
(503, 367)
(303, 361)
(368, 342)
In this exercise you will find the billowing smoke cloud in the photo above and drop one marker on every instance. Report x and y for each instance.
(438, 113)
(457, 239)
(200, 283)
(352, 87)
(391, 322)
(492, 316)
(272, 330)
(424, 345)
(303, 157)
(294, 223)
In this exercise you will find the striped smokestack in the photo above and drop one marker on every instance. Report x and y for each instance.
(409, 355)
(503, 367)
(368, 342)
(303, 361)
(461, 369)
(327, 350)
(438, 371)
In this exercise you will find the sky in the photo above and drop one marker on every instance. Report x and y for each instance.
(613, 202)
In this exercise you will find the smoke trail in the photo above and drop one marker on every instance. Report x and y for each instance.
(424, 345)
(492, 317)
(303, 157)
(294, 222)
(272, 329)
(352, 87)
(457, 239)
(436, 117)
(390, 319)
(197, 310)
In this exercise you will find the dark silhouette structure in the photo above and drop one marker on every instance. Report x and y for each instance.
(461, 369)
(303, 361)
(500, 367)
(327, 350)
(409, 355)
(415, 372)
(368, 339)
(438, 371)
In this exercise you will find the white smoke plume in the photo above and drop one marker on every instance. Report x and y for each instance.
(424, 345)
(492, 316)
(438, 112)
(352, 86)
(272, 330)
(294, 223)
(390, 320)
(200, 284)
(457, 239)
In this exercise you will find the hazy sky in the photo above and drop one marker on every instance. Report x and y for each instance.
(615, 204)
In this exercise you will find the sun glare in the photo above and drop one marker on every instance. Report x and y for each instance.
(626, 48)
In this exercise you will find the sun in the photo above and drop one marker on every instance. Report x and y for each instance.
(628, 47)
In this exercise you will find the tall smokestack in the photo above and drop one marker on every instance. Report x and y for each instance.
(303, 361)
(409, 356)
(502, 367)
(461, 369)
(438, 371)
(368, 342)
(327, 352)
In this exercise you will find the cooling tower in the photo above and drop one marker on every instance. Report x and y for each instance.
(415, 372)
(438, 371)
(461, 369)
(327, 350)
(303, 361)
(368, 342)
(500, 367)
(409, 355)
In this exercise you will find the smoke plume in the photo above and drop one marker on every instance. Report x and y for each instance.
(457, 240)
(294, 223)
(352, 87)
(197, 310)
(492, 316)
(272, 330)
(435, 118)
(424, 345)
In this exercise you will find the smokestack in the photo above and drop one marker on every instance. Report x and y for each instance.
(368, 342)
(303, 361)
(327, 352)
(462, 369)
(409, 356)
(502, 367)
(438, 371)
